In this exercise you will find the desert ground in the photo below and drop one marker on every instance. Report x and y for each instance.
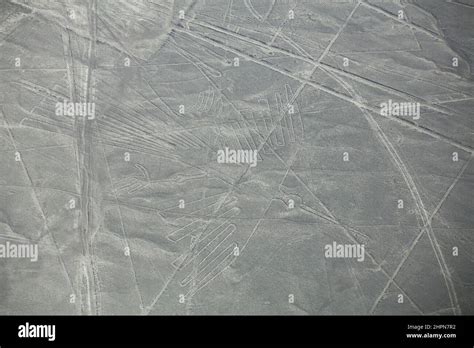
(131, 211)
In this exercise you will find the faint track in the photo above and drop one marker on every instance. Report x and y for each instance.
(38, 204)
(418, 237)
(404, 122)
(422, 213)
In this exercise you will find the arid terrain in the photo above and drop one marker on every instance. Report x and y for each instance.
(273, 157)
